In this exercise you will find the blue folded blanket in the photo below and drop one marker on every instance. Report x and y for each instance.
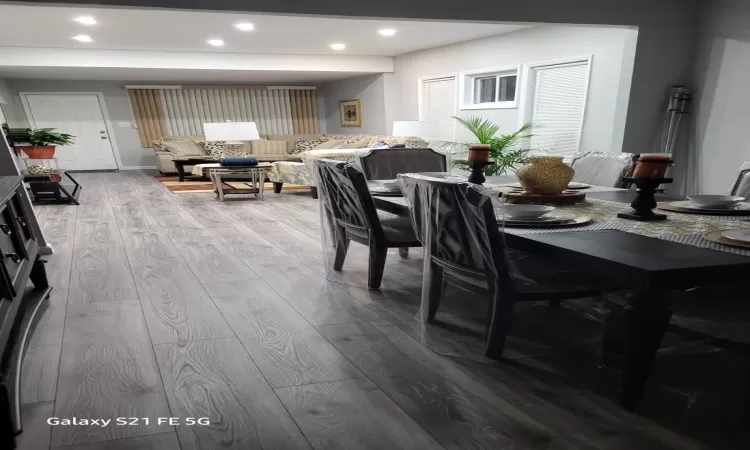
(238, 161)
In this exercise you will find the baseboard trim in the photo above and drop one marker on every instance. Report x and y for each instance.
(137, 167)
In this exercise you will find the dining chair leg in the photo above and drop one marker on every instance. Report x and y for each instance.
(403, 252)
(377, 266)
(501, 317)
(342, 245)
(432, 290)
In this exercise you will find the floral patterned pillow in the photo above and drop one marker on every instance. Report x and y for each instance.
(303, 145)
(214, 148)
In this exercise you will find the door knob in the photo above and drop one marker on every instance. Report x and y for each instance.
(104, 137)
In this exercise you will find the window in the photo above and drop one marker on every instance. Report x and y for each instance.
(489, 89)
(557, 105)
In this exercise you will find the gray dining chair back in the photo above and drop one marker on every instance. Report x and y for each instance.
(456, 224)
(386, 164)
(350, 215)
(603, 169)
(741, 186)
(339, 194)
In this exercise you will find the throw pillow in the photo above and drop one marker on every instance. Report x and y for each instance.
(185, 148)
(352, 145)
(214, 148)
(329, 144)
(303, 145)
(263, 147)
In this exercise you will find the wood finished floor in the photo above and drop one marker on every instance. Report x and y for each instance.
(170, 305)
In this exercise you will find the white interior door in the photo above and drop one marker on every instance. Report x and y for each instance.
(438, 104)
(80, 115)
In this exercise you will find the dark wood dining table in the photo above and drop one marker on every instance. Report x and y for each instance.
(650, 266)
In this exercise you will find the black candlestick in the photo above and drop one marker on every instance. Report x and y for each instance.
(645, 201)
(477, 171)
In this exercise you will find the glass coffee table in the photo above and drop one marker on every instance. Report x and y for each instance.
(253, 176)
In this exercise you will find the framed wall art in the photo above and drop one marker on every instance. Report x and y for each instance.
(351, 113)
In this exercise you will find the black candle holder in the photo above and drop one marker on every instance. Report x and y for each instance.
(645, 201)
(477, 171)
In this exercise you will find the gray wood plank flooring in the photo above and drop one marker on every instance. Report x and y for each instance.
(164, 441)
(39, 374)
(36, 430)
(312, 296)
(101, 274)
(176, 305)
(216, 379)
(107, 370)
(49, 328)
(427, 386)
(286, 348)
(353, 414)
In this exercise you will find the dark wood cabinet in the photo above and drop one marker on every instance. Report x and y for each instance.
(23, 292)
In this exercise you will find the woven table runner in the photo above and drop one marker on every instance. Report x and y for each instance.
(699, 241)
(676, 223)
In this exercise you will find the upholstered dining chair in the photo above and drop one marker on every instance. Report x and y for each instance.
(463, 246)
(352, 216)
(386, 164)
(741, 186)
(603, 169)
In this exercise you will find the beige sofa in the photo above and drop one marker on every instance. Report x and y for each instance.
(269, 149)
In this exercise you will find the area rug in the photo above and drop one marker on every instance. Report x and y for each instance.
(192, 187)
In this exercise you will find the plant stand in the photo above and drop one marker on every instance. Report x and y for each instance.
(46, 189)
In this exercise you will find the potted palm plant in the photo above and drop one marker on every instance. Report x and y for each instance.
(37, 143)
(507, 151)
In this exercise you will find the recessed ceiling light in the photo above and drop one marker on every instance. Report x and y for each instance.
(244, 26)
(215, 42)
(83, 38)
(386, 32)
(86, 20)
(338, 46)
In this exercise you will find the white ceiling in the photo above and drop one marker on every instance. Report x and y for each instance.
(146, 76)
(152, 29)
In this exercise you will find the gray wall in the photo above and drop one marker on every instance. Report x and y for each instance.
(5, 93)
(612, 50)
(722, 117)
(118, 106)
(370, 90)
(666, 39)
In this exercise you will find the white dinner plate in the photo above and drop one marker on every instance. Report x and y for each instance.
(549, 218)
(574, 222)
(687, 204)
(737, 235)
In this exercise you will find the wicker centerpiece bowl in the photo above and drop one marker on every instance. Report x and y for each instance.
(545, 175)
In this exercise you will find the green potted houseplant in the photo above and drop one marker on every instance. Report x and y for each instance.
(37, 143)
(507, 151)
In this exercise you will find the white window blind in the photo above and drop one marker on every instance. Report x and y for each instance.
(559, 106)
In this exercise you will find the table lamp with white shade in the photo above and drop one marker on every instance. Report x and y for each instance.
(424, 129)
(232, 133)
